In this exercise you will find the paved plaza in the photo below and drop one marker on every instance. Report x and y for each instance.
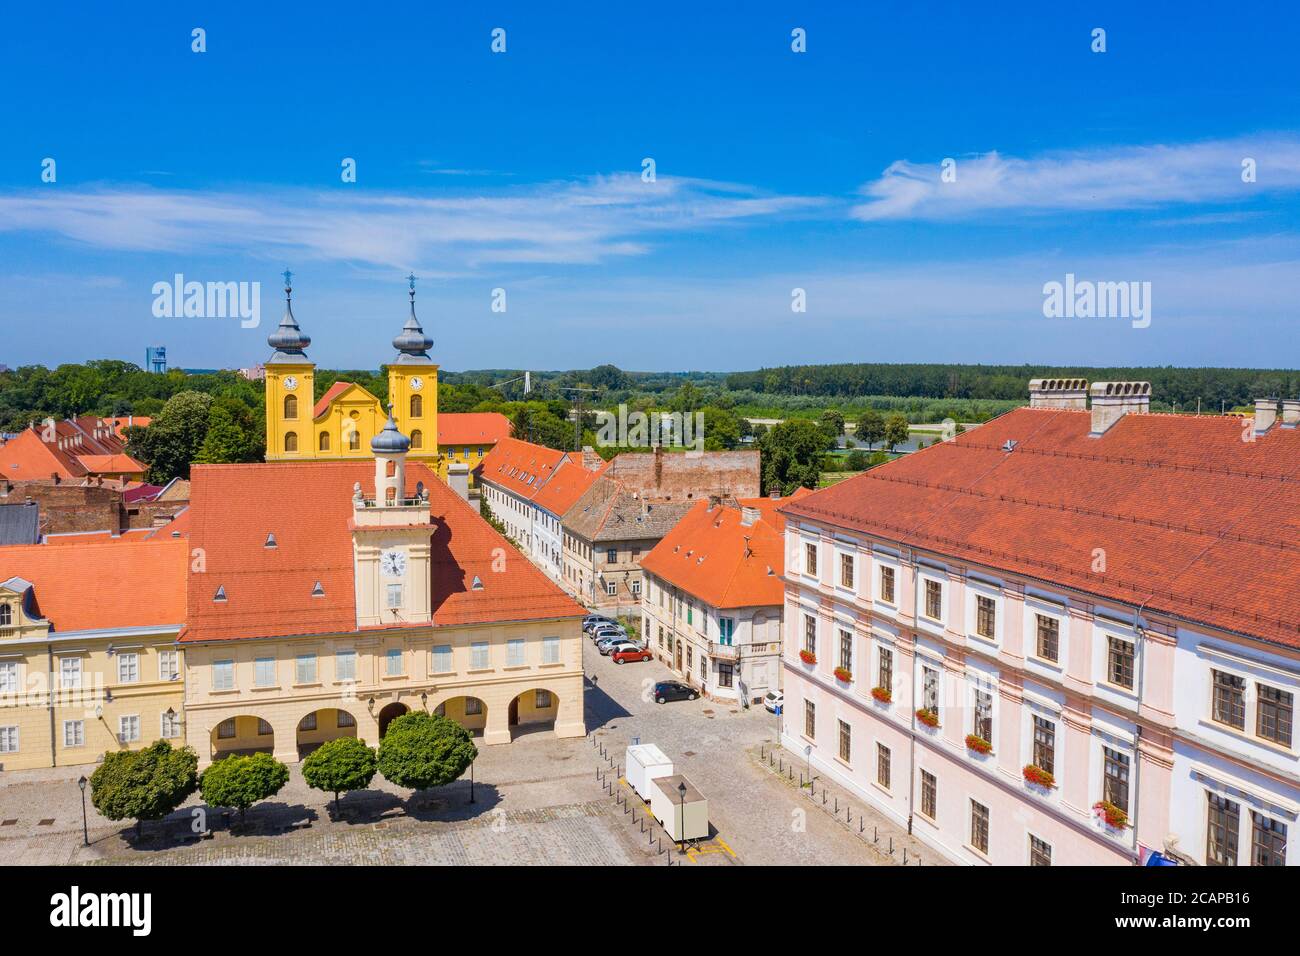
(537, 801)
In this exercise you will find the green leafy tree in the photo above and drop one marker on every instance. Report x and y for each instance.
(721, 429)
(871, 427)
(143, 784)
(896, 430)
(340, 766)
(834, 421)
(173, 439)
(239, 782)
(791, 455)
(233, 434)
(421, 750)
(856, 460)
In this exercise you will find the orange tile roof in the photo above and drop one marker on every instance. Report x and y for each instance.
(111, 464)
(333, 392)
(180, 524)
(100, 586)
(713, 555)
(121, 424)
(472, 428)
(27, 458)
(1192, 520)
(308, 506)
(569, 483)
(520, 467)
(74, 538)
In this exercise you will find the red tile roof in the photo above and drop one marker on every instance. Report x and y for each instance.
(472, 428)
(521, 467)
(102, 585)
(569, 483)
(1192, 520)
(111, 464)
(308, 508)
(76, 538)
(333, 392)
(714, 556)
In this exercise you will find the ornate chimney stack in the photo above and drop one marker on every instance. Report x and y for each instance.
(1111, 401)
(1058, 393)
(1265, 414)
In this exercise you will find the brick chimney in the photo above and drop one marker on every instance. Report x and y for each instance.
(590, 460)
(1290, 412)
(748, 516)
(1058, 393)
(1111, 401)
(1265, 414)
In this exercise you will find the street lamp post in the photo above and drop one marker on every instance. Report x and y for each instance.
(681, 813)
(85, 827)
(471, 781)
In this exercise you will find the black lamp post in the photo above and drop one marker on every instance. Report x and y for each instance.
(681, 817)
(85, 828)
(471, 781)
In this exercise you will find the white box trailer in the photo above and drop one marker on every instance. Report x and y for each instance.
(645, 762)
(680, 808)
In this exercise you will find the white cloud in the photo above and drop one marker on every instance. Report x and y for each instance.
(1133, 177)
(563, 222)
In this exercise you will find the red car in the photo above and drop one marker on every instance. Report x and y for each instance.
(622, 657)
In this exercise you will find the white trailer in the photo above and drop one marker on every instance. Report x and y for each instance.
(644, 763)
(680, 809)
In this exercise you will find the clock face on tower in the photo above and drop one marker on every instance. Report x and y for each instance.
(290, 383)
(417, 383)
(393, 563)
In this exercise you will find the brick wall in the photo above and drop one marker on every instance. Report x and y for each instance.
(674, 475)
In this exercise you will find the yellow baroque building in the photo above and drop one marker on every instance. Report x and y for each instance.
(341, 425)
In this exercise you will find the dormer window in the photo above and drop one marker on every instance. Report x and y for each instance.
(270, 540)
(477, 583)
(317, 590)
(221, 593)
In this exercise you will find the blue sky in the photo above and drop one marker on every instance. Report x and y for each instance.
(775, 170)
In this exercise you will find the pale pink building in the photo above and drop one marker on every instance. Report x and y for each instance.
(1099, 608)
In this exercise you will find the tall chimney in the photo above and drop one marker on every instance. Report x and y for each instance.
(1265, 414)
(1290, 412)
(1111, 401)
(458, 478)
(1058, 393)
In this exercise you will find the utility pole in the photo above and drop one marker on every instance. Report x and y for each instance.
(577, 417)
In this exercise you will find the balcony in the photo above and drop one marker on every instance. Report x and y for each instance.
(725, 652)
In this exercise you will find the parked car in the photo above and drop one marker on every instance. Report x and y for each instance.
(608, 646)
(622, 653)
(592, 621)
(611, 633)
(616, 637)
(674, 690)
(773, 700)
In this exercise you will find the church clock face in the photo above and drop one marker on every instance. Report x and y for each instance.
(290, 383)
(417, 383)
(393, 563)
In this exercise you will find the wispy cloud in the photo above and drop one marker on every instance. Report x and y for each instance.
(566, 222)
(1100, 179)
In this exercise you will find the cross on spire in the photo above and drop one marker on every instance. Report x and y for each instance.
(288, 279)
(411, 279)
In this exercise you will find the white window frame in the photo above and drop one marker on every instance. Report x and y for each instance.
(516, 652)
(220, 668)
(258, 671)
(133, 722)
(304, 666)
(392, 654)
(79, 735)
(9, 680)
(550, 650)
(70, 663)
(480, 656)
(10, 741)
(346, 674)
(128, 667)
(440, 653)
(169, 665)
(1033, 608)
(974, 591)
(169, 729)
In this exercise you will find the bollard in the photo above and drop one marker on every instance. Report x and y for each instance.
(891, 846)
(875, 834)
(904, 856)
(837, 806)
(800, 779)
(862, 824)
(823, 797)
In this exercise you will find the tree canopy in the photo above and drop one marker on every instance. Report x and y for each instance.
(340, 766)
(792, 455)
(421, 750)
(143, 784)
(240, 781)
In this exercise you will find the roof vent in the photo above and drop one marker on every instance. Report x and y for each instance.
(1010, 444)
(317, 590)
(221, 593)
(476, 584)
(270, 540)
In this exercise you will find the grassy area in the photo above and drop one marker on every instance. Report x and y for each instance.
(829, 478)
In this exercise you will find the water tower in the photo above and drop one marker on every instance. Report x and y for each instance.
(155, 358)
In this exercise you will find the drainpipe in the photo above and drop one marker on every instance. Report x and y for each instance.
(54, 752)
(911, 737)
(1137, 753)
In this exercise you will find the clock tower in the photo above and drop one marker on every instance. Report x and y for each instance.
(413, 386)
(391, 535)
(290, 379)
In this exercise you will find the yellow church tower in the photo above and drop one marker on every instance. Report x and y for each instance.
(290, 379)
(413, 388)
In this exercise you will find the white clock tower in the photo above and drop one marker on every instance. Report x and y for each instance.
(390, 539)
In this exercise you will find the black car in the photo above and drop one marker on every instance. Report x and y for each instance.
(674, 690)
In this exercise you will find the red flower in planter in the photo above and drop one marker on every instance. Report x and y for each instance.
(978, 744)
(1037, 775)
(808, 657)
(1113, 815)
(882, 694)
(928, 717)
(843, 674)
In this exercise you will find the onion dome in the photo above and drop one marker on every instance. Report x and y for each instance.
(412, 343)
(288, 340)
(390, 441)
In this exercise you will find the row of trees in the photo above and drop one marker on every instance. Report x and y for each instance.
(419, 751)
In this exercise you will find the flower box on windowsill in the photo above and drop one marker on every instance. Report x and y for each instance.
(842, 674)
(978, 744)
(808, 657)
(1039, 777)
(928, 717)
(883, 694)
(1115, 817)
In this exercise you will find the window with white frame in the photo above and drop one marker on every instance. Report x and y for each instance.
(223, 676)
(442, 659)
(1229, 700)
(394, 596)
(1047, 638)
(170, 725)
(128, 667)
(611, 588)
(810, 634)
(635, 586)
(345, 665)
(846, 650)
(8, 740)
(264, 672)
(930, 689)
(169, 665)
(393, 666)
(515, 652)
(1114, 780)
(551, 649)
(478, 655)
(74, 733)
(1044, 744)
(933, 600)
(846, 570)
(70, 673)
(986, 616)
(982, 724)
(304, 669)
(128, 728)
(1040, 852)
(1120, 661)
(8, 677)
(810, 559)
(887, 584)
(846, 741)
